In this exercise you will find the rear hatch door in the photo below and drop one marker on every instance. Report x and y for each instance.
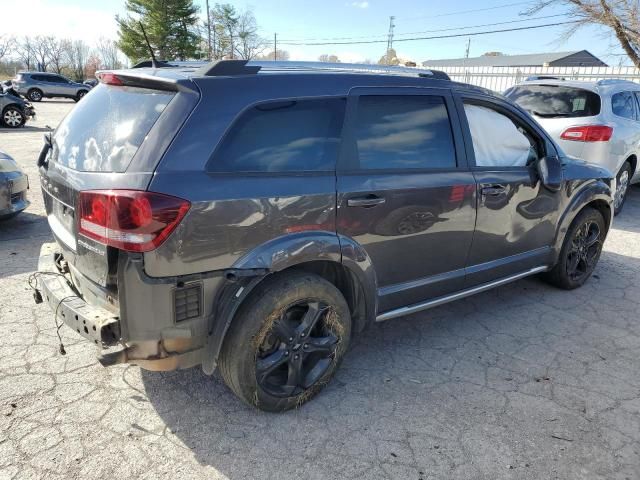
(112, 139)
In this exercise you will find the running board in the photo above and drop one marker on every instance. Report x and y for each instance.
(418, 307)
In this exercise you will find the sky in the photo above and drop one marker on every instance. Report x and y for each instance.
(297, 22)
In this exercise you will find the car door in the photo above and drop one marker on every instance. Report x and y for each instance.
(516, 215)
(59, 85)
(405, 193)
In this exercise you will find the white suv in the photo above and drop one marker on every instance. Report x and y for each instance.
(595, 121)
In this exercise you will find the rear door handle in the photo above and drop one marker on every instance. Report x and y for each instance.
(493, 190)
(368, 201)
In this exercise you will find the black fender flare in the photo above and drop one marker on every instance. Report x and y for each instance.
(593, 191)
(277, 255)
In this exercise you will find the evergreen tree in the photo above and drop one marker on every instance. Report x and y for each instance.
(169, 24)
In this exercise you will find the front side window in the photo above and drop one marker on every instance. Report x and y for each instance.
(403, 132)
(497, 140)
(622, 105)
(283, 136)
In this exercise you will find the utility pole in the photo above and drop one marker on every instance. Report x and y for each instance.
(208, 32)
(466, 55)
(390, 38)
(275, 47)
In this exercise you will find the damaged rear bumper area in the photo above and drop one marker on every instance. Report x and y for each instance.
(103, 327)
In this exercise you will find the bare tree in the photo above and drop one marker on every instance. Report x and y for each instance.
(282, 56)
(40, 47)
(109, 54)
(56, 53)
(620, 16)
(250, 43)
(328, 58)
(25, 52)
(7, 43)
(77, 53)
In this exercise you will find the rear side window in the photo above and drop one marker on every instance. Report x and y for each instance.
(623, 105)
(549, 101)
(104, 131)
(283, 136)
(403, 132)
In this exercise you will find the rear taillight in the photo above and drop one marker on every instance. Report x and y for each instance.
(109, 78)
(131, 220)
(588, 133)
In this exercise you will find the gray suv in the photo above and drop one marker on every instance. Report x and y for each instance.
(38, 85)
(255, 217)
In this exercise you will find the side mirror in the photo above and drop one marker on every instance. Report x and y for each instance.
(550, 173)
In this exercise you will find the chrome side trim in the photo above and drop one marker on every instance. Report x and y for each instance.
(418, 307)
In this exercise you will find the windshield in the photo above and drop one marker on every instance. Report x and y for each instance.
(104, 131)
(555, 100)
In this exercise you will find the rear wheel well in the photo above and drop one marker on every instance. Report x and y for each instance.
(602, 207)
(633, 160)
(345, 281)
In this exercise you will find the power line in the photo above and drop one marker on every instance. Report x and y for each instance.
(435, 37)
(460, 12)
(396, 35)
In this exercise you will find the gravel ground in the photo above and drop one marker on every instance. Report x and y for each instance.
(523, 382)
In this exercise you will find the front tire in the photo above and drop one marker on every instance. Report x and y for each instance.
(13, 117)
(623, 181)
(286, 341)
(80, 94)
(580, 251)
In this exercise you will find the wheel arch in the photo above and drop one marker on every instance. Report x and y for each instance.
(338, 260)
(595, 195)
(633, 161)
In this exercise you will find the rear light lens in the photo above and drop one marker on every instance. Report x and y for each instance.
(588, 133)
(109, 78)
(131, 220)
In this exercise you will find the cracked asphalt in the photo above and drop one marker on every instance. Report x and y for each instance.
(522, 382)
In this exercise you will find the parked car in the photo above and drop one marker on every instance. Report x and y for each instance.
(91, 82)
(597, 121)
(13, 188)
(319, 198)
(15, 111)
(38, 85)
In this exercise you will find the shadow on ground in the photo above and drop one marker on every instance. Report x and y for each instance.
(514, 378)
(18, 253)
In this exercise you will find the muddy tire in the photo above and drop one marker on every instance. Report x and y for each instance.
(286, 341)
(580, 251)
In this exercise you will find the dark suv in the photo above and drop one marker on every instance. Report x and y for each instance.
(254, 217)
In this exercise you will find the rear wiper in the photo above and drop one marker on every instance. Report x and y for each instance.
(551, 115)
(45, 149)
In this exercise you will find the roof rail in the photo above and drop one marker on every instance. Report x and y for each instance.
(613, 81)
(288, 66)
(225, 68)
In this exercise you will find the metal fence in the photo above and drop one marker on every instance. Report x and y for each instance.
(501, 78)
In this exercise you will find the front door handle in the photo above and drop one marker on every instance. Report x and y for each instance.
(493, 190)
(368, 201)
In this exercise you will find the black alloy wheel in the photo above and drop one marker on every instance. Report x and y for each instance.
(584, 251)
(580, 251)
(298, 350)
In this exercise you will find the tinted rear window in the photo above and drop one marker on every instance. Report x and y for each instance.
(555, 101)
(404, 132)
(104, 131)
(283, 136)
